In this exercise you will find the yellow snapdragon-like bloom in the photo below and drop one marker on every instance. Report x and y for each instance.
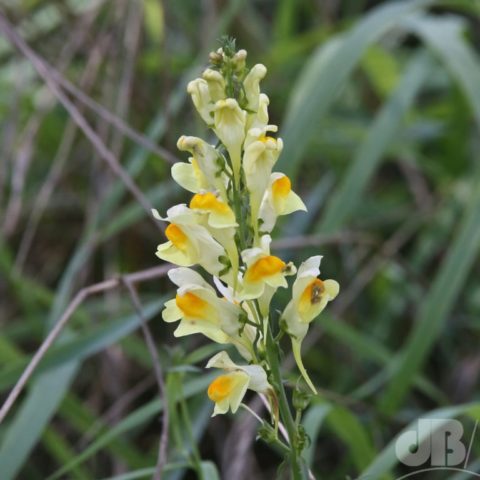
(189, 176)
(259, 119)
(310, 296)
(279, 199)
(205, 92)
(220, 215)
(189, 243)
(216, 84)
(251, 84)
(221, 223)
(200, 93)
(206, 167)
(261, 154)
(230, 121)
(228, 390)
(264, 272)
(239, 60)
(200, 310)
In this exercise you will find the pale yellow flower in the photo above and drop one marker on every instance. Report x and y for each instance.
(190, 177)
(310, 296)
(279, 199)
(251, 84)
(228, 390)
(261, 154)
(216, 84)
(220, 215)
(259, 119)
(201, 97)
(265, 273)
(207, 161)
(239, 60)
(221, 223)
(200, 310)
(230, 122)
(189, 243)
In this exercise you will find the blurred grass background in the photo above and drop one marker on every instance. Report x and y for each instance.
(379, 107)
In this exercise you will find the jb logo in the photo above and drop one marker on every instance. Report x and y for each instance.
(439, 440)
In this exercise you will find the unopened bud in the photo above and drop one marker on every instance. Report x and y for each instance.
(300, 399)
(267, 434)
(216, 58)
(239, 60)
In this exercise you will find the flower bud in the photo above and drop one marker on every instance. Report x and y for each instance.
(201, 97)
(216, 84)
(230, 122)
(300, 399)
(239, 60)
(215, 58)
(252, 85)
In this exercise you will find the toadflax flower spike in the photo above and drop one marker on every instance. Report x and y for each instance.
(225, 229)
(310, 296)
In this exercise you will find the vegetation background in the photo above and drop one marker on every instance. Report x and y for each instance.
(379, 108)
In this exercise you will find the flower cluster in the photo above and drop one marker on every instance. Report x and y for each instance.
(226, 229)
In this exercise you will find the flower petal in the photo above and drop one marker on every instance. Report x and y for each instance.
(332, 288)
(221, 360)
(184, 276)
(171, 312)
(184, 174)
(251, 85)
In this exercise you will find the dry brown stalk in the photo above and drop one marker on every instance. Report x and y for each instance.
(132, 278)
(43, 70)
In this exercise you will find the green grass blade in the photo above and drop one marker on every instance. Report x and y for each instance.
(83, 346)
(379, 137)
(59, 449)
(437, 305)
(209, 471)
(34, 414)
(148, 472)
(348, 428)
(320, 81)
(135, 419)
(444, 36)
(313, 420)
(85, 422)
(367, 347)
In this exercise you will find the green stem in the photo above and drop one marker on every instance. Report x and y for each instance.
(197, 459)
(281, 446)
(285, 412)
(238, 215)
(273, 440)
